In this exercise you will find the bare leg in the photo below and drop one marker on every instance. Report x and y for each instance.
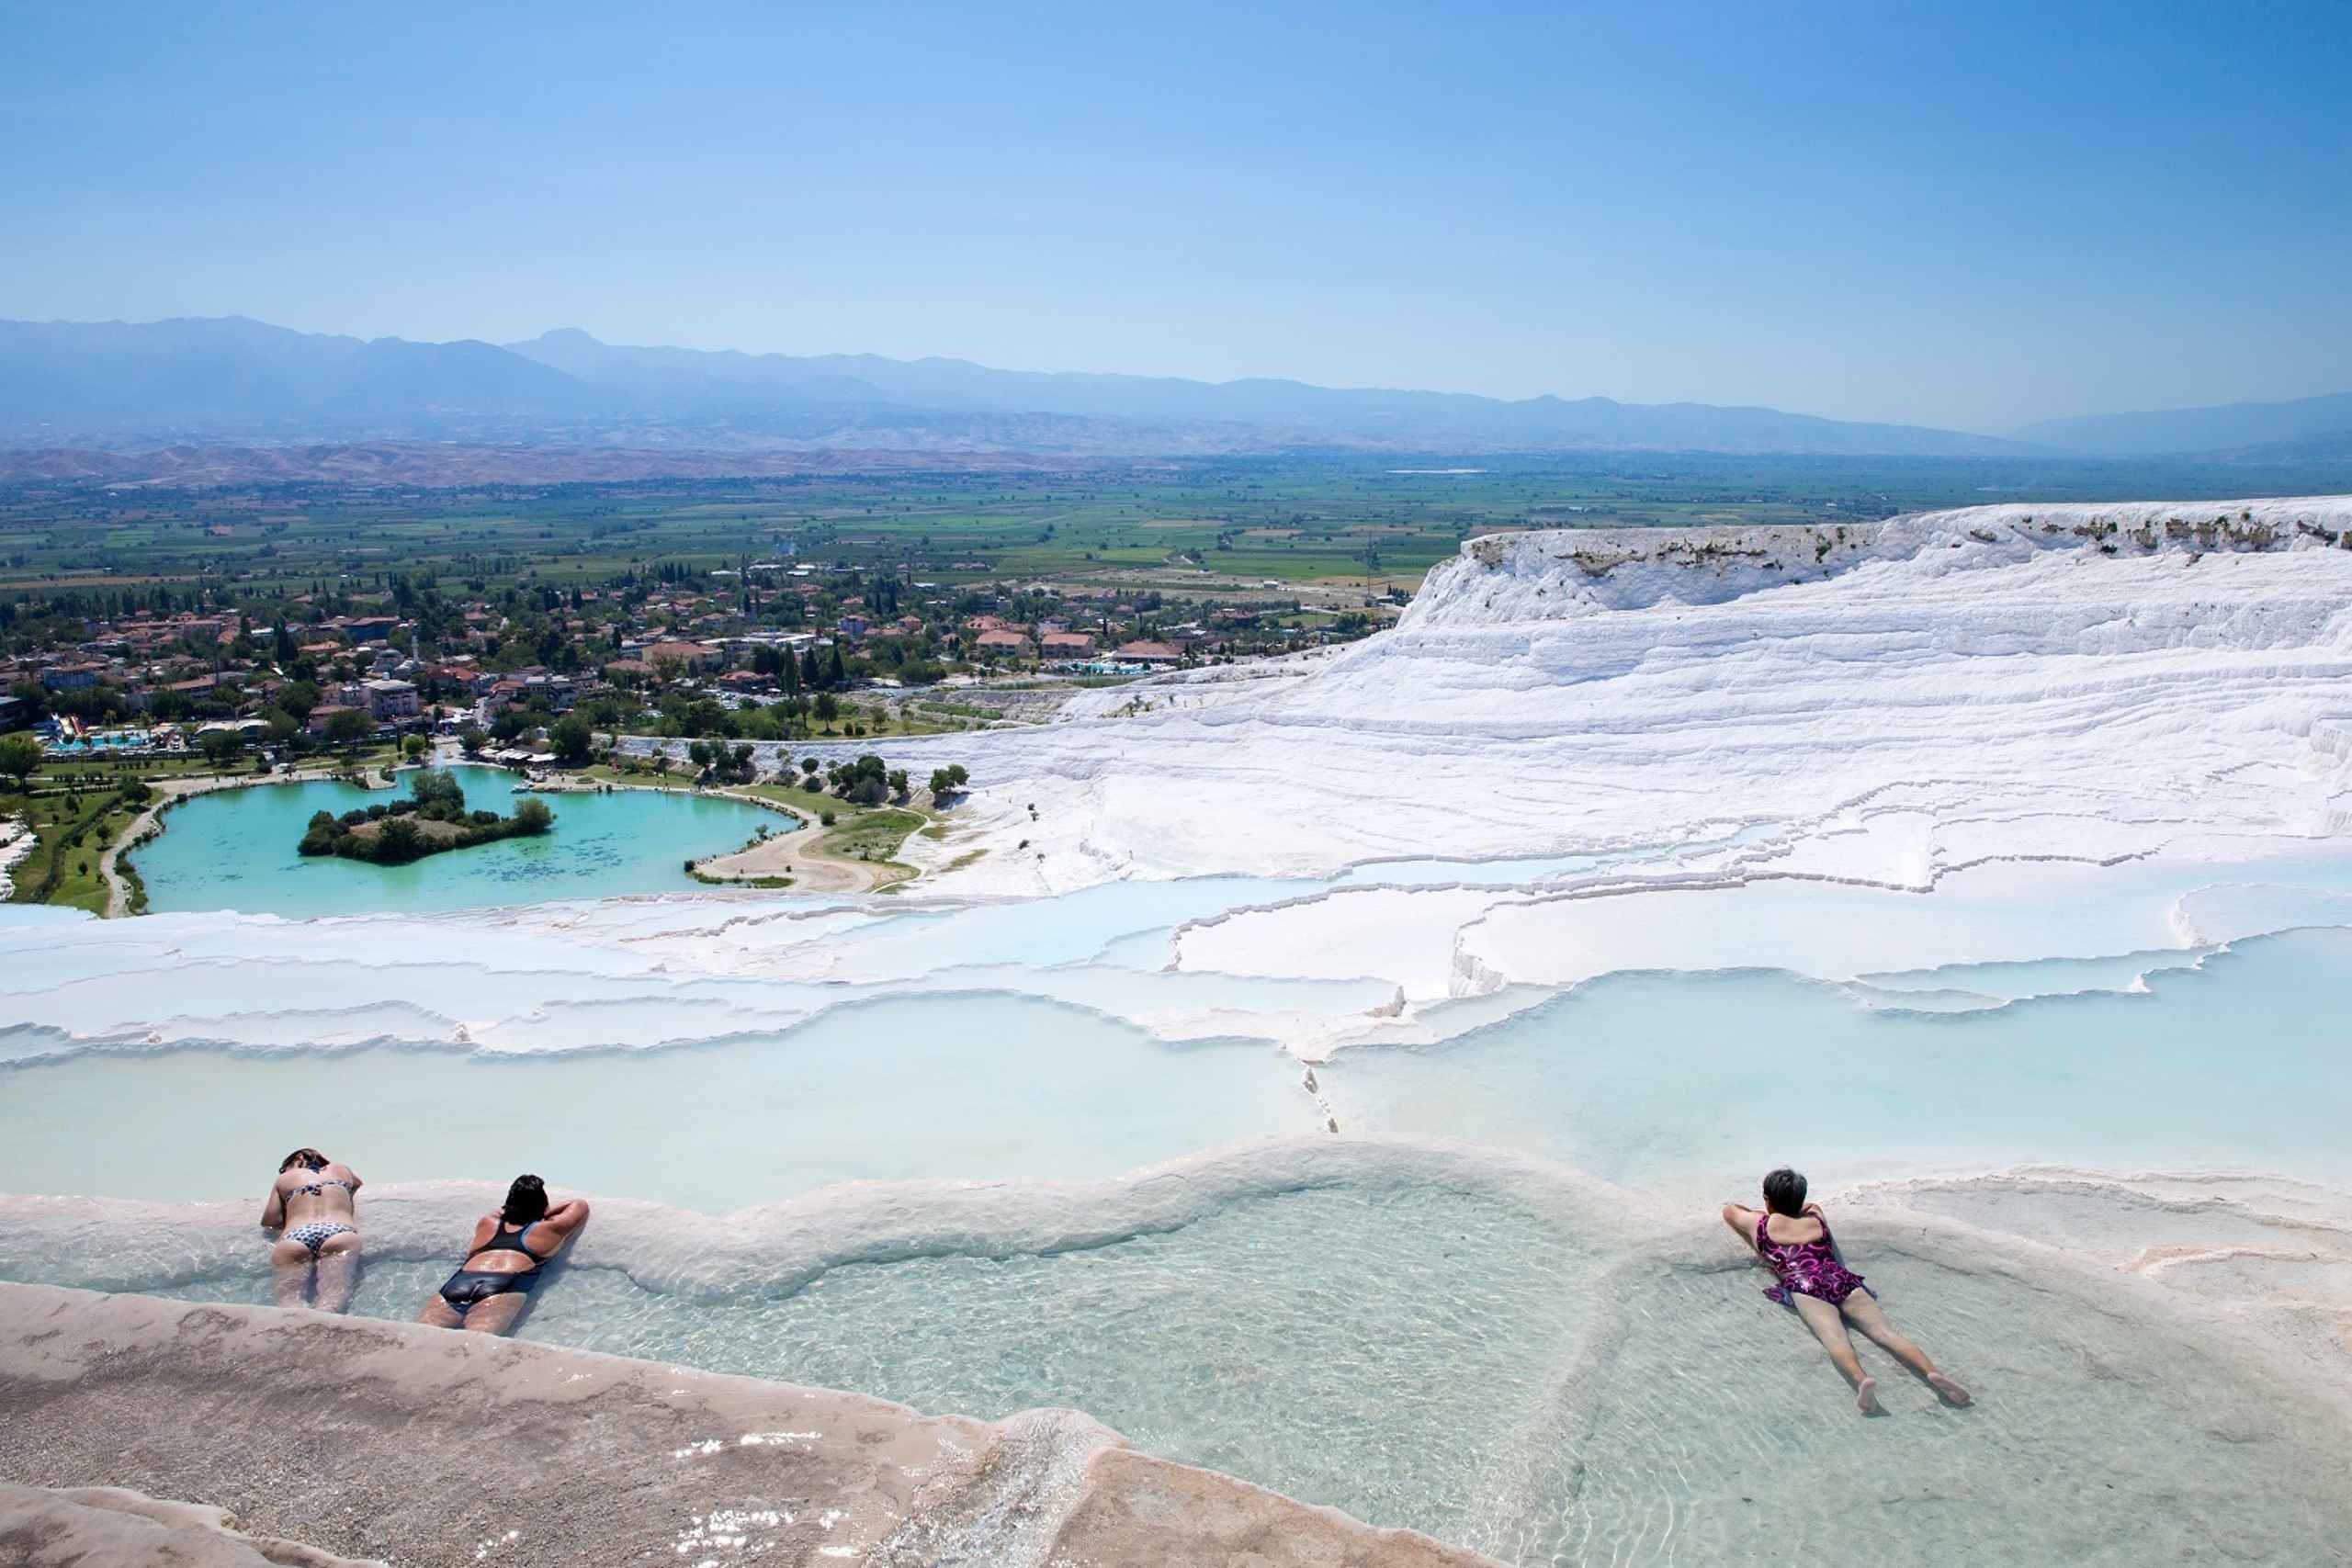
(440, 1314)
(497, 1315)
(1830, 1330)
(290, 1264)
(1868, 1317)
(338, 1272)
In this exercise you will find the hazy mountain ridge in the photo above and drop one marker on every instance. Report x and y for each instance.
(234, 378)
(444, 464)
(2223, 427)
(1284, 411)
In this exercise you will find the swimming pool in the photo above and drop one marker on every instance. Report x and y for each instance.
(101, 740)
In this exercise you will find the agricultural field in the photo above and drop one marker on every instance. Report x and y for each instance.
(1238, 526)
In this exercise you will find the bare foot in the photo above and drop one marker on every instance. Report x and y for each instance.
(1866, 1396)
(1952, 1393)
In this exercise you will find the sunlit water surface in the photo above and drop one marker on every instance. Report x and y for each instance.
(1684, 1086)
(1518, 1376)
(235, 850)
(1501, 1363)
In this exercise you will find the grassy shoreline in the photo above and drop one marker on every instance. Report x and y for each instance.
(88, 823)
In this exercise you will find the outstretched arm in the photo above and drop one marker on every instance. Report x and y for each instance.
(1742, 1220)
(273, 1209)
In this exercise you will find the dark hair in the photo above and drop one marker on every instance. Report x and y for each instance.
(527, 1200)
(309, 1159)
(1784, 1193)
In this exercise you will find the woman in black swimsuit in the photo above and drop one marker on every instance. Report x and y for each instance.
(503, 1261)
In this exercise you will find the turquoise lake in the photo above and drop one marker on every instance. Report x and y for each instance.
(235, 850)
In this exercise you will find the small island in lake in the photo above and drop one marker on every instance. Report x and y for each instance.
(433, 818)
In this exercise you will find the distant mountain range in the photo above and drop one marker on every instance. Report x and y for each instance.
(2321, 423)
(209, 380)
(233, 378)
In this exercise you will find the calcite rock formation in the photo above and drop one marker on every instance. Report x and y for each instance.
(430, 1447)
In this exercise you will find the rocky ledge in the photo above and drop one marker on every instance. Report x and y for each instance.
(328, 1437)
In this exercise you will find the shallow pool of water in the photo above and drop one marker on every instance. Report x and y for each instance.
(1704, 1427)
(1683, 1085)
(1514, 1362)
(952, 1086)
(236, 849)
(1522, 1372)
(1694, 1084)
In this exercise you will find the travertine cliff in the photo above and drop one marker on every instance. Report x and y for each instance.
(426, 1447)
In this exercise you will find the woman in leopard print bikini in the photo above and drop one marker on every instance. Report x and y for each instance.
(313, 1203)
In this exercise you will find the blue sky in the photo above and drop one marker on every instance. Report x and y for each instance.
(1962, 215)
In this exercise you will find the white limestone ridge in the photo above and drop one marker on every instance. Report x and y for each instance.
(2154, 668)
(1548, 574)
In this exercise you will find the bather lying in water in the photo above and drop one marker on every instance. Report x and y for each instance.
(311, 1204)
(1791, 1237)
(503, 1261)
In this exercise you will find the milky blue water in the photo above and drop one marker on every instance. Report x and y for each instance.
(1686, 1083)
(986, 1086)
(235, 850)
(1512, 1371)
(1683, 1085)
(1509, 1362)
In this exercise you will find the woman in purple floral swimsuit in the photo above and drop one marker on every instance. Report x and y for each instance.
(1791, 1237)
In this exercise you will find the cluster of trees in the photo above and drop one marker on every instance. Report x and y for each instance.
(347, 729)
(19, 758)
(389, 834)
(720, 765)
(101, 703)
(572, 738)
(685, 715)
(808, 673)
(436, 794)
(865, 782)
(869, 781)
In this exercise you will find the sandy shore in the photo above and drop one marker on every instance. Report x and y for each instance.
(421, 1447)
(789, 854)
(797, 856)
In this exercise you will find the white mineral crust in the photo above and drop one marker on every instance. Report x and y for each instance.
(2072, 680)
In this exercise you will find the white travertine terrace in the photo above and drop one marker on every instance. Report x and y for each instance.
(437, 1449)
(2019, 680)
(1685, 749)
(2119, 735)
